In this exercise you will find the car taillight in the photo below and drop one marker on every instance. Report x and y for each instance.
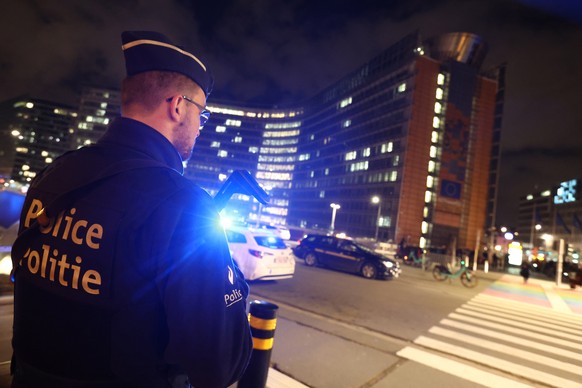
(256, 253)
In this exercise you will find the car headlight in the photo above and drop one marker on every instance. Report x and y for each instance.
(388, 264)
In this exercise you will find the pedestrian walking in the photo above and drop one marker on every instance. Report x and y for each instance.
(525, 271)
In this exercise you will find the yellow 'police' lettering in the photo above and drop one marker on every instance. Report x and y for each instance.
(34, 208)
(68, 273)
(64, 226)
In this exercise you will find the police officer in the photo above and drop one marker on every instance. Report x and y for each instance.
(123, 276)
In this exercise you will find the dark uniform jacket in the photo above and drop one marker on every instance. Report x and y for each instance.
(132, 281)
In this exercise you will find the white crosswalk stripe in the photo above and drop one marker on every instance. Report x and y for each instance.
(498, 342)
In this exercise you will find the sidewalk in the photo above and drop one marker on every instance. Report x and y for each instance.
(539, 290)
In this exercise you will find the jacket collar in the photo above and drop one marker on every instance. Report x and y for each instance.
(142, 138)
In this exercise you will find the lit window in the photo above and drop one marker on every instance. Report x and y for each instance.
(346, 123)
(433, 152)
(322, 194)
(529, 197)
(441, 79)
(438, 107)
(396, 160)
(359, 166)
(312, 174)
(351, 155)
(233, 123)
(366, 152)
(435, 137)
(427, 196)
(425, 212)
(546, 193)
(422, 242)
(220, 128)
(431, 166)
(387, 147)
(429, 181)
(253, 150)
(237, 139)
(48, 160)
(424, 227)
(326, 171)
(393, 176)
(222, 154)
(436, 122)
(402, 87)
(345, 102)
(439, 94)
(215, 144)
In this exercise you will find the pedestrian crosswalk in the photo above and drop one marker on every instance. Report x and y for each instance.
(499, 342)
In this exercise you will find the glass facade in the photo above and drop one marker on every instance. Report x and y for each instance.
(407, 129)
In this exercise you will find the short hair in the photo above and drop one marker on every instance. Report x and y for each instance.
(151, 88)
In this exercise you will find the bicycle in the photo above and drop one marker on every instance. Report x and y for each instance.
(468, 278)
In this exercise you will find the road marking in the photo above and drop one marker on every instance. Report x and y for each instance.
(512, 320)
(512, 339)
(458, 369)
(548, 316)
(555, 300)
(544, 314)
(497, 363)
(509, 350)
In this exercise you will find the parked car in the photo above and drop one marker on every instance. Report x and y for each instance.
(346, 255)
(260, 254)
(279, 230)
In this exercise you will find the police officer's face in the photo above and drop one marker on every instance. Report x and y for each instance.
(189, 129)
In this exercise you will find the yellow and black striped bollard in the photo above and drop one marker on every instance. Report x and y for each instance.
(263, 320)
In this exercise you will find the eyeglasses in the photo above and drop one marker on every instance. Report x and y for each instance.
(204, 112)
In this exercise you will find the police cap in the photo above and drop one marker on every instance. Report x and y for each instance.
(151, 51)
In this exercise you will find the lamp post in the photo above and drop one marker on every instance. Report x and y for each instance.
(376, 200)
(334, 208)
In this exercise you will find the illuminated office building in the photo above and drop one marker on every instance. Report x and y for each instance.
(413, 127)
(547, 216)
(97, 107)
(36, 132)
(417, 127)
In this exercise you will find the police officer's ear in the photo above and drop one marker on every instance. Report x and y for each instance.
(175, 106)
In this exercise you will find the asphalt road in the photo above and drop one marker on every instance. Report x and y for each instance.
(401, 308)
(338, 329)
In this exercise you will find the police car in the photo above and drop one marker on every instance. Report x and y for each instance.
(260, 253)
(346, 255)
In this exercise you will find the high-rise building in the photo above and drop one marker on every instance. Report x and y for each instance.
(549, 215)
(36, 132)
(406, 146)
(97, 107)
(413, 127)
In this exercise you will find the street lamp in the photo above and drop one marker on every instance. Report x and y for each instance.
(334, 208)
(376, 200)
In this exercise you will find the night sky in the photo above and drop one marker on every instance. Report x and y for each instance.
(274, 52)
